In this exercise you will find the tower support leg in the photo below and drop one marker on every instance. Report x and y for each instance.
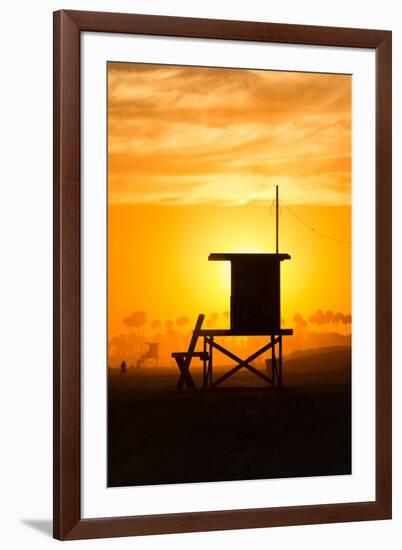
(274, 364)
(204, 366)
(210, 351)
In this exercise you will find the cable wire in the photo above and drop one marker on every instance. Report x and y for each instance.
(312, 228)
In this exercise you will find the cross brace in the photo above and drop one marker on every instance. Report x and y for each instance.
(242, 363)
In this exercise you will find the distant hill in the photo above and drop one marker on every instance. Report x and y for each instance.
(319, 351)
(321, 366)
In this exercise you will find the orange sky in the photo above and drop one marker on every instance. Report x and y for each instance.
(194, 155)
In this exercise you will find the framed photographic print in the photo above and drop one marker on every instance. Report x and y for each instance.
(222, 274)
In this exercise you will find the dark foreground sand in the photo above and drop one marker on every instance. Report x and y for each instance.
(156, 435)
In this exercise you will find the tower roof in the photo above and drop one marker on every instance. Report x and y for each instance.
(238, 257)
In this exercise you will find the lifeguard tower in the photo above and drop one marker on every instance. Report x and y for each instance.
(255, 310)
(150, 357)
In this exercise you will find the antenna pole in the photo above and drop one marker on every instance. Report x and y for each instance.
(277, 219)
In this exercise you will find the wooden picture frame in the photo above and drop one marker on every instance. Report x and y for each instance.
(68, 26)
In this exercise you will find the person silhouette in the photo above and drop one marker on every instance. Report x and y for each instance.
(123, 368)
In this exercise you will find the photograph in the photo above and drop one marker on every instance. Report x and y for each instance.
(229, 274)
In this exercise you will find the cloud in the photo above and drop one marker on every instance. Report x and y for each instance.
(185, 135)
